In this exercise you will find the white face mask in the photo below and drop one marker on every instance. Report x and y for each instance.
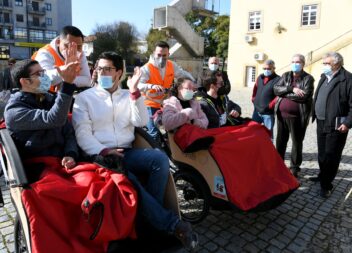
(213, 66)
(187, 95)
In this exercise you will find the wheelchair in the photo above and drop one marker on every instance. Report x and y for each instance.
(17, 180)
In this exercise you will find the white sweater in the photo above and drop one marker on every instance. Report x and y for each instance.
(103, 120)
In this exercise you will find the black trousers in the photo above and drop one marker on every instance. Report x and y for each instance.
(330, 147)
(285, 128)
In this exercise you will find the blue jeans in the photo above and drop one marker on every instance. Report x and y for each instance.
(267, 119)
(154, 164)
(152, 130)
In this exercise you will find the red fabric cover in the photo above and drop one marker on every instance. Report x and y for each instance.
(253, 170)
(57, 214)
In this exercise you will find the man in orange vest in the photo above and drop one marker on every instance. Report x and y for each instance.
(157, 75)
(54, 55)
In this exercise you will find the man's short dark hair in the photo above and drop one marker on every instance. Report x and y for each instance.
(162, 44)
(22, 70)
(71, 30)
(116, 59)
(209, 77)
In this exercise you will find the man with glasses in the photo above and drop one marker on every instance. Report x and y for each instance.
(332, 108)
(293, 108)
(157, 75)
(104, 118)
(36, 119)
(54, 55)
(263, 96)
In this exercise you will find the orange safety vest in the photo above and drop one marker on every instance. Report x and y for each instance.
(155, 78)
(58, 61)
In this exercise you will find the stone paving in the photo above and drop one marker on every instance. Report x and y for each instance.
(305, 222)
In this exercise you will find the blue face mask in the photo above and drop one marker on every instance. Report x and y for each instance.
(105, 82)
(187, 95)
(45, 84)
(296, 67)
(327, 70)
(267, 72)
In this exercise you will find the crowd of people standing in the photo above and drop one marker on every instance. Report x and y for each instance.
(104, 116)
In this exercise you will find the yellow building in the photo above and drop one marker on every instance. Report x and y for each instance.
(277, 29)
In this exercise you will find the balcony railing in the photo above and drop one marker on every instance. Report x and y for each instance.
(6, 5)
(39, 11)
(6, 21)
(6, 35)
(32, 24)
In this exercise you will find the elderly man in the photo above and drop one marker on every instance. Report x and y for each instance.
(157, 75)
(54, 55)
(332, 108)
(293, 108)
(213, 65)
(263, 96)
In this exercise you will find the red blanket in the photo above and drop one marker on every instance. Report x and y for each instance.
(78, 210)
(253, 171)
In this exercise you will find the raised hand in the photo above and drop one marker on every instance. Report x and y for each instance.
(132, 83)
(68, 72)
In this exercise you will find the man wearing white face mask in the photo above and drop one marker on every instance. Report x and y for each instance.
(157, 75)
(213, 65)
(57, 53)
(293, 108)
(332, 108)
(263, 96)
(104, 118)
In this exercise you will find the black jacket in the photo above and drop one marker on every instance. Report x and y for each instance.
(283, 89)
(265, 93)
(212, 114)
(339, 100)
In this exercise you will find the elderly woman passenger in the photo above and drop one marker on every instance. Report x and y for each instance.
(181, 108)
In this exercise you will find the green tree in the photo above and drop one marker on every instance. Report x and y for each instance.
(215, 31)
(119, 37)
(221, 36)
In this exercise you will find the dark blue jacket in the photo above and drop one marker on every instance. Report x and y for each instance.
(38, 124)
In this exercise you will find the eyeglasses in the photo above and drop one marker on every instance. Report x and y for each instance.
(327, 63)
(266, 68)
(106, 69)
(38, 73)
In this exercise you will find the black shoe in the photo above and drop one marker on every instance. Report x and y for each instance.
(325, 193)
(314, 179)
(295, 171)
(185, 234)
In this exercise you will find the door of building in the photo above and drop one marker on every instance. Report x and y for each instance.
(250, 76)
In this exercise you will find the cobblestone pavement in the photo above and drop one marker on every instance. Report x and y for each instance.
(305, 222)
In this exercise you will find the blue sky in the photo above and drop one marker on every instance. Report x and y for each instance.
(87, 13)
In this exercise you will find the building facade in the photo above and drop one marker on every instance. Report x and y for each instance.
(277, 29)
(26, 25)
